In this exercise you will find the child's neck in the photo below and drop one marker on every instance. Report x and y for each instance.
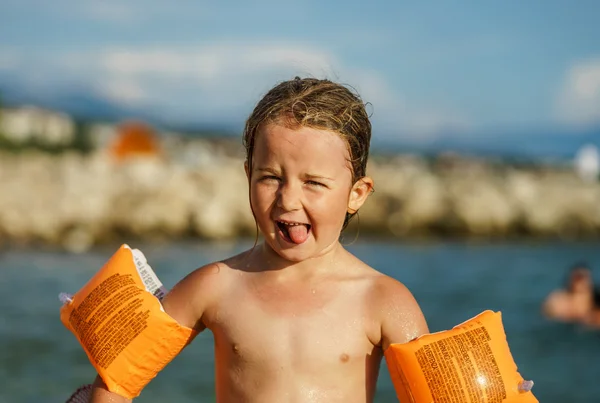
(326, 261)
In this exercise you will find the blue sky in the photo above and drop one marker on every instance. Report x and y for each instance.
(427, 68)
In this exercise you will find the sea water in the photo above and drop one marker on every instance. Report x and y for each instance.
(40, 361)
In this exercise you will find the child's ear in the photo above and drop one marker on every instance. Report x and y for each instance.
(359, 193)
(246, 169)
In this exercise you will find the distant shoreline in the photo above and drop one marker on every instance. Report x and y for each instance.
(77, 201)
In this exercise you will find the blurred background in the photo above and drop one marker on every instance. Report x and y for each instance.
(121, 122)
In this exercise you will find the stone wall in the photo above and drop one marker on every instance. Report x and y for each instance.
(76, 201)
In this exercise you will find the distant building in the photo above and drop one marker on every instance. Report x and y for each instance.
(23, 124)
(587, 163)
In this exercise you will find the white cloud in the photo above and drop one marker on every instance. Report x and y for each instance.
(579, 100)
(124, 92)
(215, 61)
(233, 75)
(216, 77)
(431, 124)
(126, 62)
(224, 80)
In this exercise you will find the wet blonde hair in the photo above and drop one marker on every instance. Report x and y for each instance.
(318, 104)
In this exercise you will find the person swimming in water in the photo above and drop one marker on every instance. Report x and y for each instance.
(578, 302)
(298, 318)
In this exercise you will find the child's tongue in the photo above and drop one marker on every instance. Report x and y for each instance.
(297, 233)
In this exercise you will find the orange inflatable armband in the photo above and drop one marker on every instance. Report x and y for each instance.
(118, 319)
(470, 363)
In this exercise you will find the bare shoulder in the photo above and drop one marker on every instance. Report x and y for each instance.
(197, 292)
(397, 311)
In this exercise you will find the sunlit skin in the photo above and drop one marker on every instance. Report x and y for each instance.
(303, 176)
(297, 322)
(576, 303)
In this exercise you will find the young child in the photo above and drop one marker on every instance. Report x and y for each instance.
(298, 318)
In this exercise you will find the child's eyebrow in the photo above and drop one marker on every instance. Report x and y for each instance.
(319, 177)
(266, 169)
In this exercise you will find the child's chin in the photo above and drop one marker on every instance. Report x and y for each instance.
(290, 251)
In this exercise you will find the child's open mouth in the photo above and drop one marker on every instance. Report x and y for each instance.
(293, 232)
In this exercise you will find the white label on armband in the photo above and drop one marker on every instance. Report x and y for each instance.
(147, 275)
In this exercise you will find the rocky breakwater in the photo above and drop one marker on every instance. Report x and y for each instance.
(468, 197)
(76, 201)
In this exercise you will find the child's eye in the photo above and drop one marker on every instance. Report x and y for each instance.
(315, 183)
(269, 178)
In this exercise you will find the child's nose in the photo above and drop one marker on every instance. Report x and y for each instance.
(289, 197)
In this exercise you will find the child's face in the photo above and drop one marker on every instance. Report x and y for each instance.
(301, 187)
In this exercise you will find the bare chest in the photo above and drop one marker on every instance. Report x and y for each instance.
(294, 328)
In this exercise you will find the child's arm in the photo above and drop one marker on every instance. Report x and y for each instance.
(185, 303)
(402, 319)
(189, 299)
(100, 394)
